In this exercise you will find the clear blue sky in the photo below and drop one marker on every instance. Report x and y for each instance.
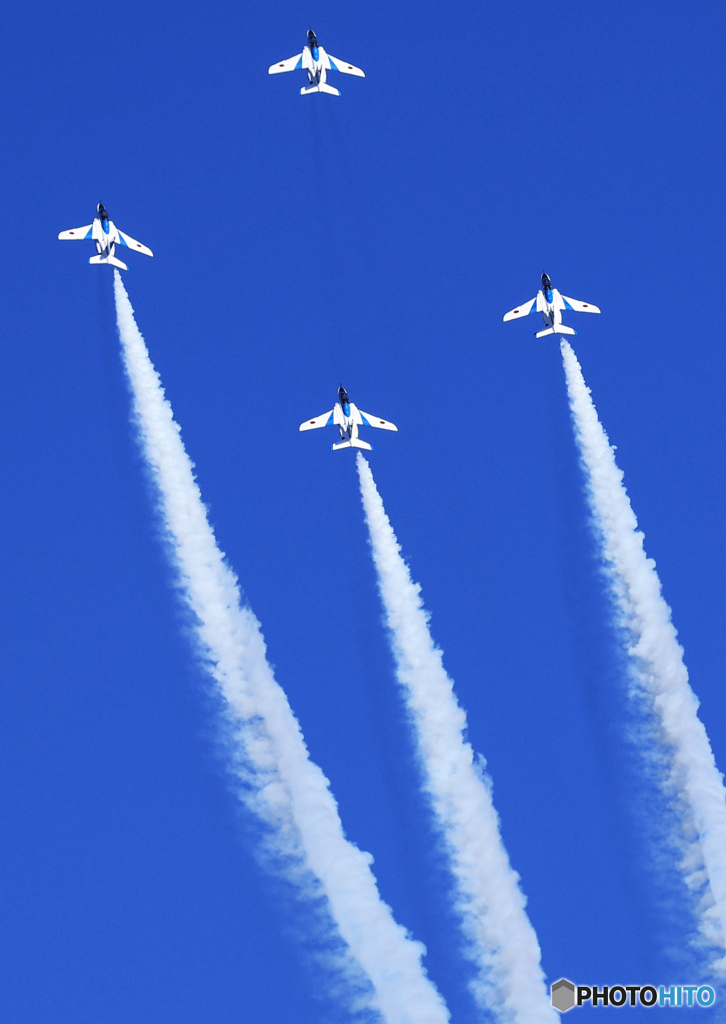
(375, 240)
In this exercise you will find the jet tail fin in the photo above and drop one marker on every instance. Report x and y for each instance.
(556, 330)
(108, 259)
(323, 87)
(354, 443)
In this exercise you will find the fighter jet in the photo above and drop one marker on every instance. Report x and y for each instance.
(317, 63)
(106, 235)
(347, 417)
(550, 303)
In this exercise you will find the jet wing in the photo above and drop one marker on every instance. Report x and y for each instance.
(85, 232)
(376, 421)
(345, 67)
(291, 64)
(580, 307)
(522, 310)
(319, 421)
(133, 244)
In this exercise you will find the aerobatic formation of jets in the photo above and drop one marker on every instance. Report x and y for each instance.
(346, 416)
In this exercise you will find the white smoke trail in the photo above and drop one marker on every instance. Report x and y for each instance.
(500, 938)
(691, 782)
(287, 791)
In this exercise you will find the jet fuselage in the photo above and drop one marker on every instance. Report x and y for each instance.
(103, 234)
(551, 315)
(314, 60)
(345, 417)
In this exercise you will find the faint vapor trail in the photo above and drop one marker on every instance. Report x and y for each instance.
(500, 938)
(278, 781)
(690, 779)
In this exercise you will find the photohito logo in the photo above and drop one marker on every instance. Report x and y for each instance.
(565, 995)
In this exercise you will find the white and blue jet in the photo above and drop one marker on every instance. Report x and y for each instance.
(317, 63)
(106, 236)
(550, 303)
(347, 418)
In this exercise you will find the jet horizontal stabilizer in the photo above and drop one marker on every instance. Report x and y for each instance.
(108, 259)
(355, 442)
(323, 87)
(559, 329)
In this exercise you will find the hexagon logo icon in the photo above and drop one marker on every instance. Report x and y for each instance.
(562, 995)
